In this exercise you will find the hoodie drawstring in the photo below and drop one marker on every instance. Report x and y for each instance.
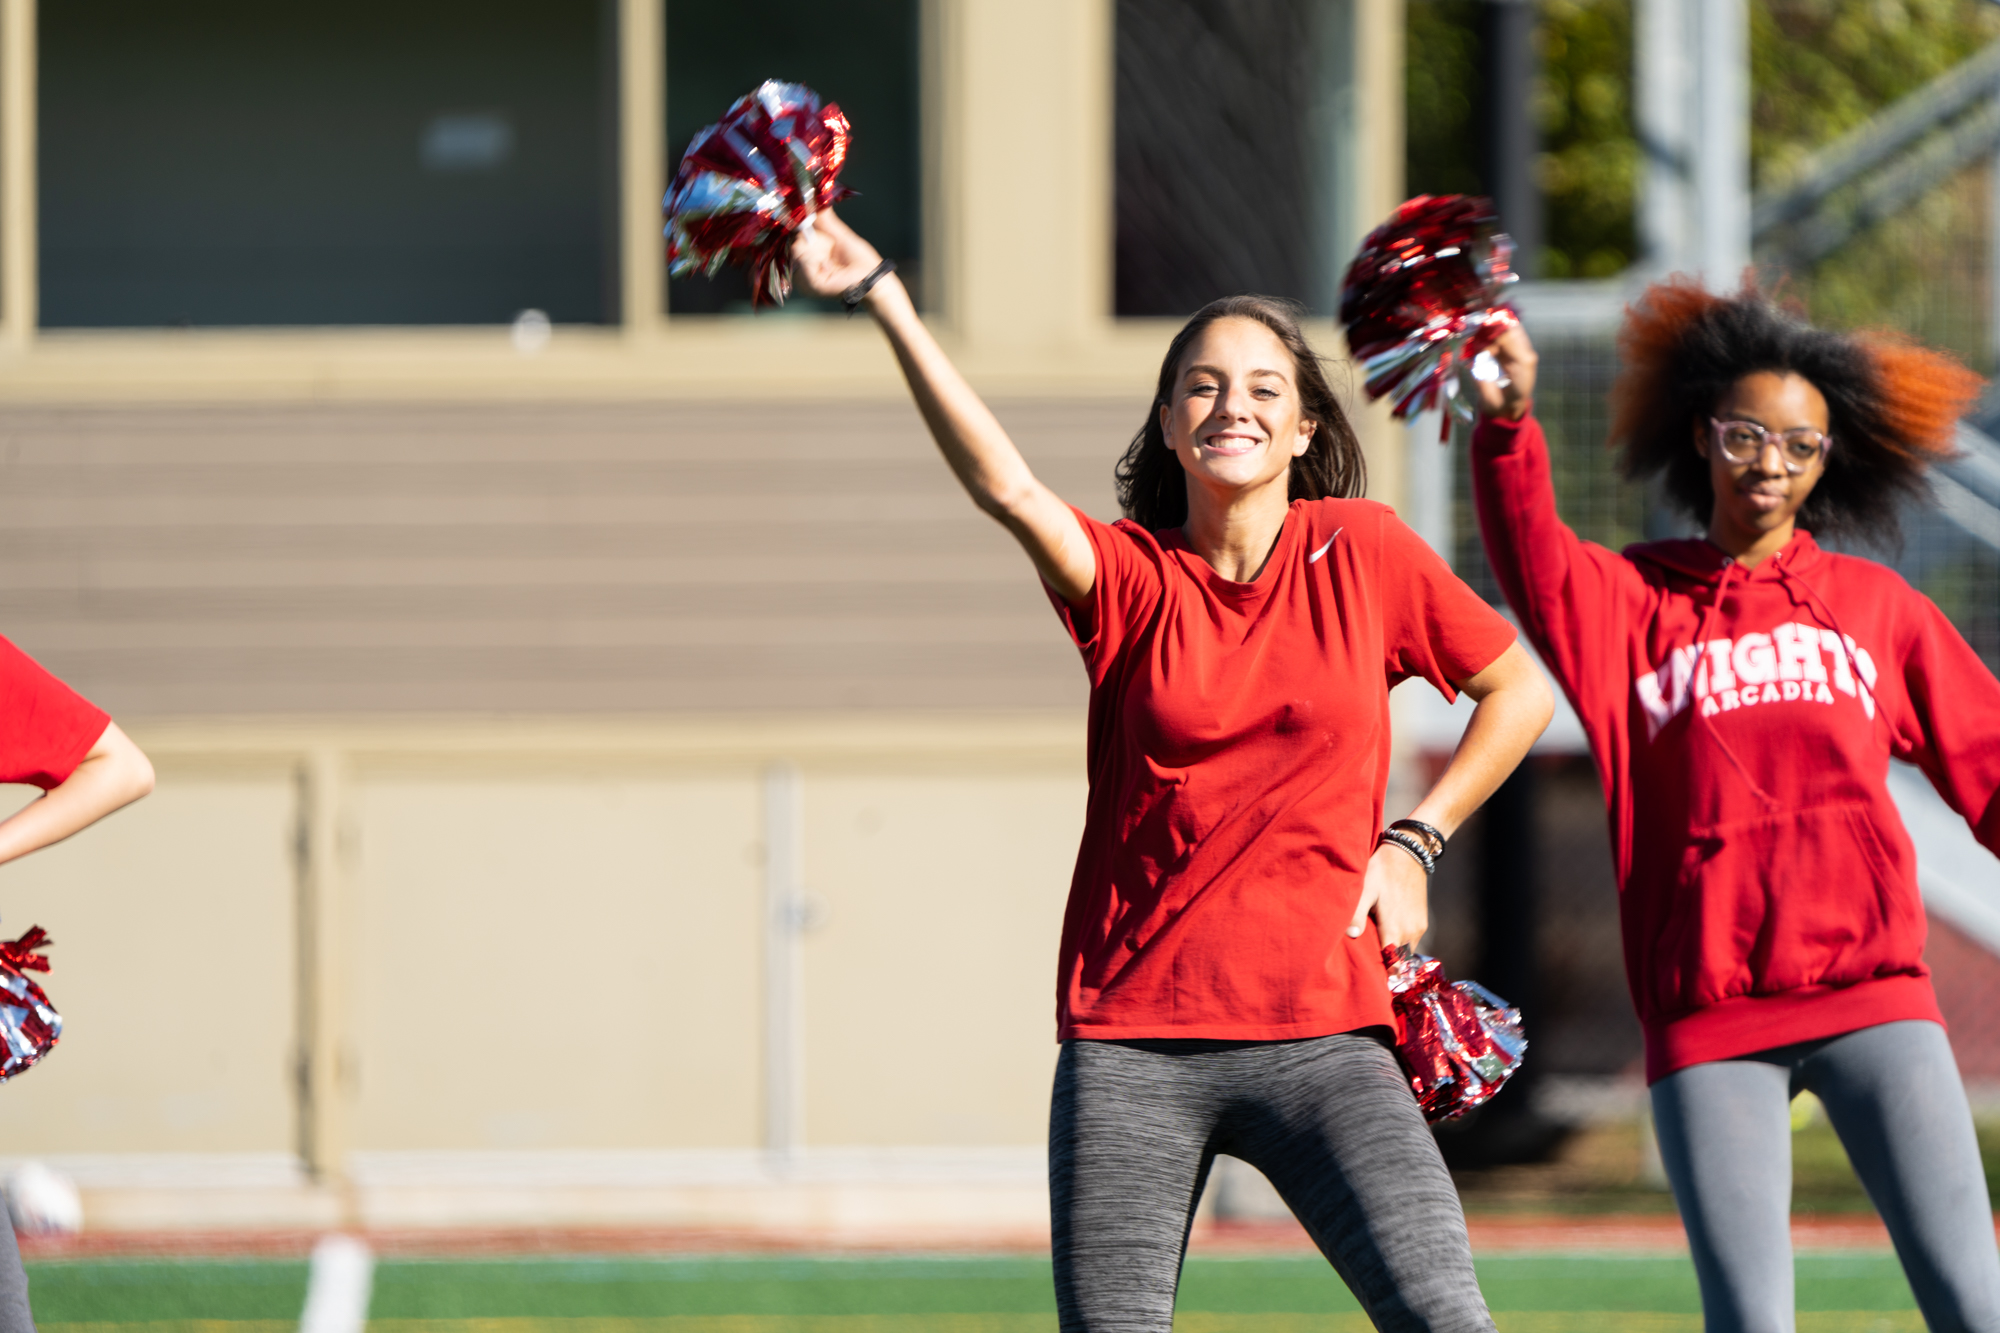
(1701, 646)
(1825, 608)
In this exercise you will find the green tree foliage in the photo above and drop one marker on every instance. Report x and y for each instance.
(1819, 68)
(1589, 164)
(1588, 167)
(1822, 67)
(1441, 96)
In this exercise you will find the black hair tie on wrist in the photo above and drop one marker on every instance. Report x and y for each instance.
(855, 295)
(1412, 844)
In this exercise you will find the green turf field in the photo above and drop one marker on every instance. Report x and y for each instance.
(1850, 1293)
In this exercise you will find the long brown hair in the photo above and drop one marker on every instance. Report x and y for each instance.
(1152, 487)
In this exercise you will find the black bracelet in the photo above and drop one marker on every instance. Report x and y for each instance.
(1434, 840)
(1410, 843)
(855, 295)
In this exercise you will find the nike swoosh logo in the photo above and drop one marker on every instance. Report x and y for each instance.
(1314, 557)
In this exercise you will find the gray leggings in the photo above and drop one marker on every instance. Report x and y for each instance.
(14, 1314)
(1330, 1120)
(1893, 1095)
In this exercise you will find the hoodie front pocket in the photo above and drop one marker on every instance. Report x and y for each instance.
(1771, 905)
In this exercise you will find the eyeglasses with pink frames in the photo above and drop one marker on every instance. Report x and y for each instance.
(1746, 441)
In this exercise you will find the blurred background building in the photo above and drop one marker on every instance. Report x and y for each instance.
(609, 774)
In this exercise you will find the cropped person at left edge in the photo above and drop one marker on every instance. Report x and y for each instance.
(53, 738)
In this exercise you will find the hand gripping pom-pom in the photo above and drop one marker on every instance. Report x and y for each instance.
(751, 182)
(1460, 1043)
(29, 1024)
(1423, 298)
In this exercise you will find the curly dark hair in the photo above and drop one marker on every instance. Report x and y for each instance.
(1152, 487)
(1891, 405)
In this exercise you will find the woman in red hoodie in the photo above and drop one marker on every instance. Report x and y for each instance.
(1744, 693)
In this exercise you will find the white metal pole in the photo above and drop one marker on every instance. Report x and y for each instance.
(1993, 258)
(1427, 484)
(1663, 101)
(1722, 156)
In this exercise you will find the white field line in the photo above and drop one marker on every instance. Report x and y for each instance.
(343, 1278)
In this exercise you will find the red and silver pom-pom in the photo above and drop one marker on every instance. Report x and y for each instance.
(29, 1024)
(1461, 1042)
(1424, 297)
(751, 182)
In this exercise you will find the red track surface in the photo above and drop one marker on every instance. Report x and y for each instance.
(1560, 1232)
(1489, 1234)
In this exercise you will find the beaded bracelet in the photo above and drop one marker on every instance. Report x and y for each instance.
(1433, 840)
(1412, 844)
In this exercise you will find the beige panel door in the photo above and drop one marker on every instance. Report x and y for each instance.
(930, 976)
(174, 971)
(564, 963)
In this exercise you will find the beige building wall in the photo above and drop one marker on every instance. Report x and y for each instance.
(547, 955)
(442, 917)
(173, 968)
(555, 959)
(930, 980)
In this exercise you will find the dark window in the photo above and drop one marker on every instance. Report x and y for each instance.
(861, 54)
(1222, 166)
(371, 162)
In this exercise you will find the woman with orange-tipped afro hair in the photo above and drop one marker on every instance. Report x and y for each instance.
(1744, 692)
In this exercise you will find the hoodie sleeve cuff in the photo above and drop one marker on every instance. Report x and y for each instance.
(1498, 435)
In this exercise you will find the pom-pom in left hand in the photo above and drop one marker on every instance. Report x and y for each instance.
(1510, 390)
(1423, 298)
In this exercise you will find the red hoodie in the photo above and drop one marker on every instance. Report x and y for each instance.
(1743, 721)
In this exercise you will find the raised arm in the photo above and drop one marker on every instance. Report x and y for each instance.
(1558, 584)
(832, 258)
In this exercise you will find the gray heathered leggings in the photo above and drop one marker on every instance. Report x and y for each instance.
(14, 1314)
(1330, 1120)
(1893, 1095)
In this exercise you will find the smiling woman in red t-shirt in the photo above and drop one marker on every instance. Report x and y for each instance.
(1221, 982)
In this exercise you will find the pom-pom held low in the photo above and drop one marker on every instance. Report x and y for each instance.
(1461, 1042)
(29, 1024)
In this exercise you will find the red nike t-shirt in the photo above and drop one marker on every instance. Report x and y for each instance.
(46, 728)
(1239, 747)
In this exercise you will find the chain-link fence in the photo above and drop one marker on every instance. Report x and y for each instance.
(1958, 572)
(1573, 382)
